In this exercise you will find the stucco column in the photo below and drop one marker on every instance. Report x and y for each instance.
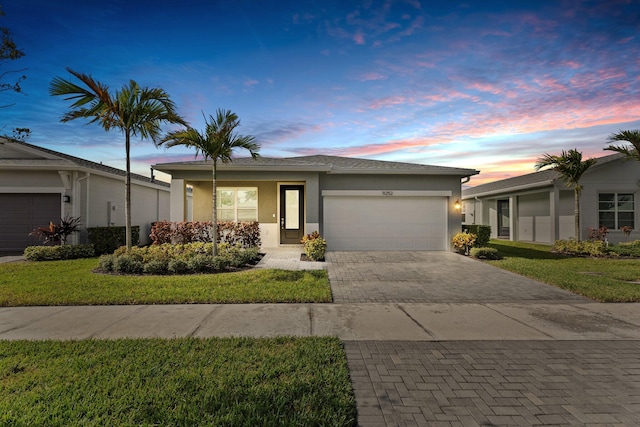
(177, 200)
(513, 218)
(554, 215)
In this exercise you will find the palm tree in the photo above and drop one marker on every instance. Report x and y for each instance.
(631, 136)
(217, 142)
(571, 167)
(134, 110)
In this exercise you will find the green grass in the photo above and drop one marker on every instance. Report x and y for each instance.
(186, 381)
(72, 282)
(601, 279)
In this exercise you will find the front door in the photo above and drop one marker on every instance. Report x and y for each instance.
(503, 219)
(291, 214)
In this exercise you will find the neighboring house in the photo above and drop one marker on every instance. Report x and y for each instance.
(355, 204)
(539, 207)
(38, 185)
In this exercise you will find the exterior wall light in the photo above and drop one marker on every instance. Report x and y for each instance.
(457, 205)
(66, 199)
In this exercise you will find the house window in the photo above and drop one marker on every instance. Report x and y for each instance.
(616, 210)
(237, 204)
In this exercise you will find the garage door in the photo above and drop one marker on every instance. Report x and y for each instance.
(385, 223)
(20, 214)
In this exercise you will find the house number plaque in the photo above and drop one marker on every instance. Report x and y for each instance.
(387, 193)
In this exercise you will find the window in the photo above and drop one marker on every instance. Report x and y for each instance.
(237, 204)
(616, 210)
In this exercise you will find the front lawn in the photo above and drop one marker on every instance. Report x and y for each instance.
(72, 282)
(601, 279)
(185, 381)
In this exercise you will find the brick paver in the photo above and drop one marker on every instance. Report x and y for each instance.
(416, 277)
(494, 383)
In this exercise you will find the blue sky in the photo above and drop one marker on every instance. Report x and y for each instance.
(489, 85)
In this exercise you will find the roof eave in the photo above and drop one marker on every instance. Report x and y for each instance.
(540, 184)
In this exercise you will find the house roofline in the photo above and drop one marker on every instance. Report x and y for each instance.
(541, 184)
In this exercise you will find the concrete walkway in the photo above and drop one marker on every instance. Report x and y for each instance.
(427, 342)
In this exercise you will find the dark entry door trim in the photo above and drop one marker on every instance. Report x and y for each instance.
(291, 214)
(503, 219)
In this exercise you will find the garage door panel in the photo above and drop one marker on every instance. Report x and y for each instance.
(20, 214)
(385, 223)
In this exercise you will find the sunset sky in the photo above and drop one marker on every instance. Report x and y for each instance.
(489, 85)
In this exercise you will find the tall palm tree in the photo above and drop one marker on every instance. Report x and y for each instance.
(631, 136)
(217, 142)
(571, 167)
(134, 110)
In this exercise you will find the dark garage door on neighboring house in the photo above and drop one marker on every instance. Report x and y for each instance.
(20, 214)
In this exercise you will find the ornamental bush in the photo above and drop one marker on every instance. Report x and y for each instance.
(315, 246)
(630, 249)
(485, 253)
(178, 259)
(247, 234)
(52, 253)
(593, 248)
(463, 242)
(482, 232)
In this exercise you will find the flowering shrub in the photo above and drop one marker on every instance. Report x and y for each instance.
(247, 234)
(315, 246)
(626, 229)
(462, 242)
(598, 233)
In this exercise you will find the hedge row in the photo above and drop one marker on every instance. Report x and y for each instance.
(105, 240)
(246, 234)
(52, 253)
(482, 232)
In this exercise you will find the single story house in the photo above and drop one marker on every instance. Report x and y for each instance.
(539, 207)
(38, 185)
(355, 204)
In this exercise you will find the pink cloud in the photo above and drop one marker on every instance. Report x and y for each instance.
(358, 38)
(372, 76)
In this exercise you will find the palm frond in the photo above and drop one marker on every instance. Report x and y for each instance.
(632, 137)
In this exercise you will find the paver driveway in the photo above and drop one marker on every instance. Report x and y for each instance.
(481, 383)
(429, 277)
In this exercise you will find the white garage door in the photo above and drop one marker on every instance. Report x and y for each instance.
(385, 223)
(20, 214)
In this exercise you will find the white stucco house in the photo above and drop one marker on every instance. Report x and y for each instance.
(38, 185)
(356, 204)
(539, 207)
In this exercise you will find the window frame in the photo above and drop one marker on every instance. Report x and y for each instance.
(236, 206)
(616, 211)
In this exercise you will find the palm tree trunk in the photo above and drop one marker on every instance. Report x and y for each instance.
(127, 199)
(576, 212)
(215, 209)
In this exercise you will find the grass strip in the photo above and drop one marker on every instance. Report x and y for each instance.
(601, 279)
(72, 282)
(185, 381)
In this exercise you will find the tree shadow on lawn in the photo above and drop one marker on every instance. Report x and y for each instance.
(533, 252)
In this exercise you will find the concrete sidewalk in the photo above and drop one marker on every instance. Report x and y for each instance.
(392, 321)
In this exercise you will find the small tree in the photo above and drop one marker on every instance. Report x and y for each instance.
(571, 167)
(133, 110)
(9, 51)
(217, 142)
(631, 136)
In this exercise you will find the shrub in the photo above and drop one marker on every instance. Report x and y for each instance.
(247, 234)
(462, 242)
(315, 249)
(631, 249)
(106, 262)
(200, 263)
(485, 253)
(58, 234)
(598, 233)
(178, 266)
(105, 240)
(482, 232)
(581, 247)
(127, 264)
(178, 259)
(50, 253)
(156, 266)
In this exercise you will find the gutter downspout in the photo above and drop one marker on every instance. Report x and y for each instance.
(86, 199)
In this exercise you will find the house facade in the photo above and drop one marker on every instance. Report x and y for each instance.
(38, 185)
(355, 204)
(539, 207)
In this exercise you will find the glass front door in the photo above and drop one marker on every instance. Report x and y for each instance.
(503, 219)
(291, 214)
